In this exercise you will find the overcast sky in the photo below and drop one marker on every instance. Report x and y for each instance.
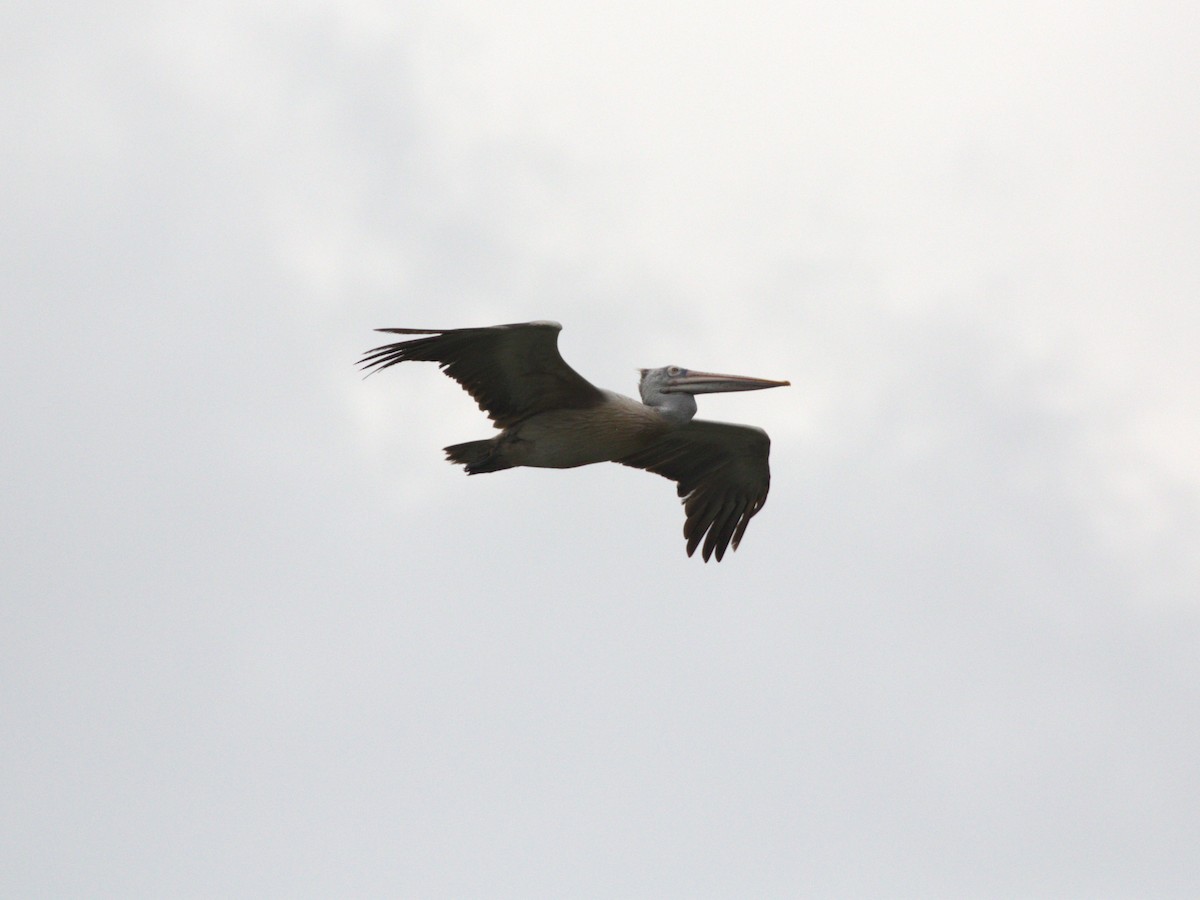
(257, 639)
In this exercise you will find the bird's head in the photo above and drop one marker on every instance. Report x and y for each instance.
(672, 389)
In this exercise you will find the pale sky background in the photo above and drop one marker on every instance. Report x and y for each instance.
(258, 640)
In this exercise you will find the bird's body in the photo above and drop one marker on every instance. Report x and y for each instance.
(551, 417)
(565, 438)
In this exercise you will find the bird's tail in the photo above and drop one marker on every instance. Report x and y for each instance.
(477, 456)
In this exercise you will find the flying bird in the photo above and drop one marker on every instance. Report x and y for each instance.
(549, 416)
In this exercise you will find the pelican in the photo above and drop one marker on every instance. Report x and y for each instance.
(549, 416)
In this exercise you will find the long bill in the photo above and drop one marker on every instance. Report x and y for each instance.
(712, 383)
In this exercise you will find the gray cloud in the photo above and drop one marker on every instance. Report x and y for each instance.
(260, 640)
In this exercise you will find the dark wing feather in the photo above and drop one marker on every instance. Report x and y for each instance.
(723, 478)
(512, 371)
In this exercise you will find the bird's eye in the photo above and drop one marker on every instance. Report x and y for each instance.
(673, 371)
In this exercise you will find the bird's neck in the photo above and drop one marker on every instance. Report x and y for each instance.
(679, 408)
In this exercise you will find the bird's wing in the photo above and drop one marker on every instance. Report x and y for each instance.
(723, 477)
(512, 371)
